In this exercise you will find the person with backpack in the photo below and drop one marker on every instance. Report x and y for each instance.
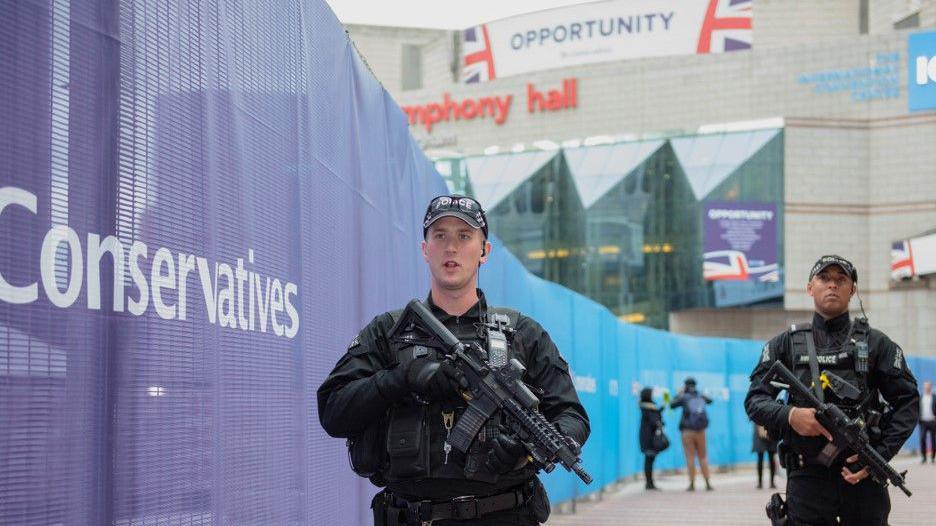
(692, 426)
(652, 438)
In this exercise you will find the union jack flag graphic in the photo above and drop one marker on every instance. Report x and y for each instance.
(478, 65)
(734, 265)
(727, 26)
(901, 260)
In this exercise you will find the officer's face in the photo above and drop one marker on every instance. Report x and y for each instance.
(831, 291)
(453, 251)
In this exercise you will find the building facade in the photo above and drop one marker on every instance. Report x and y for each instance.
(600, 176)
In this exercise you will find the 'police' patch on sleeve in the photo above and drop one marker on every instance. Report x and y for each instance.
(898, 359)
(765, 354)
(355, 342)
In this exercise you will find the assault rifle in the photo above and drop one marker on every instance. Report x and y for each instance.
(488, 388)
(846, 432)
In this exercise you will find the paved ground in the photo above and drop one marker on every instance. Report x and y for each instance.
(735, 501)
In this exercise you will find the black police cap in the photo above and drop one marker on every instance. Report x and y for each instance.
(462, 207)
(827, 261)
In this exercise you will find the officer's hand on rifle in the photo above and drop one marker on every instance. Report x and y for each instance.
(803, 421)
(506, 454)
(853, 477)
(425, 376)
(434, 380)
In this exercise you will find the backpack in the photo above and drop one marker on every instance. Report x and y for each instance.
(696, 418)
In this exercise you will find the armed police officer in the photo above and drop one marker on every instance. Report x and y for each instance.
(871, 381)
(396, 399)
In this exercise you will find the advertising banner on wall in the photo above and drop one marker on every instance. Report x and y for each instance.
(740, 242)
(603, 32)
(738, 293)
(921, 71)
(913, 257)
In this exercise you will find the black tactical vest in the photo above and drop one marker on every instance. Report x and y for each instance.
(416, 430)
(849, 361)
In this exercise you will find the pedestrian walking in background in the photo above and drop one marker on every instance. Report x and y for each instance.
(764, 445)
(692, 426)
(928, 421)
(652, 439)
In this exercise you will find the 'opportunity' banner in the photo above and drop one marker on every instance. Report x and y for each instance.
(602, 32)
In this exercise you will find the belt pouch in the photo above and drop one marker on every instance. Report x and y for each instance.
(408, 442)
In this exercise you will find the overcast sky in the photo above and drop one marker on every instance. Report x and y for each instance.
(446, 14)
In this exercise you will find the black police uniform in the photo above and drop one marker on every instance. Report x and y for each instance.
(353, 395)
(817, 494)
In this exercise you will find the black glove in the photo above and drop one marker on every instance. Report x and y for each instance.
(425, 376)
(571, 443)
(506, 454)
(434, 380)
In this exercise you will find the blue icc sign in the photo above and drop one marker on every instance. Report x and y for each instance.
(921, 68)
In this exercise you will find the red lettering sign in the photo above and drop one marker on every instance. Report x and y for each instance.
(553, 100)
(496, 107)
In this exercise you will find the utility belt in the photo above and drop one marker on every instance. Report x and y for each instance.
(393, 510)
(794, 461)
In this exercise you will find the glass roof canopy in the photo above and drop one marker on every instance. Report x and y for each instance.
(622, 222)
(707, 160)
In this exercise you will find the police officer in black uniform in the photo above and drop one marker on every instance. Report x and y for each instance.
(396, 401)
(868, 360)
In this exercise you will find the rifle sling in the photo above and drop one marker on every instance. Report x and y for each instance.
(814, 365)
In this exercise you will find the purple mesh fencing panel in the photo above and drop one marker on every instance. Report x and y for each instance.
(200, 205)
